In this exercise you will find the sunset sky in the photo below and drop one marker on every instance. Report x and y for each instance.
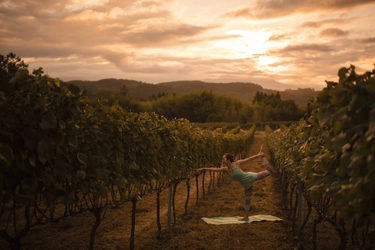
(293, 42)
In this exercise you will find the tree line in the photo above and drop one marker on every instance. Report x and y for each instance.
(201, 106)
(207, 106)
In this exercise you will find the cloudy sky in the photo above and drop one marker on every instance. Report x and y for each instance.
(295, 42)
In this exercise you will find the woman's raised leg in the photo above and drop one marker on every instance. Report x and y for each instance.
(268, 170)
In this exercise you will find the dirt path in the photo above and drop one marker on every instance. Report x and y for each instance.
(227, 199)
(190, 232)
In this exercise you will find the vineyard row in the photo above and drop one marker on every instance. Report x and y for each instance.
(328, 161)
(61, 155)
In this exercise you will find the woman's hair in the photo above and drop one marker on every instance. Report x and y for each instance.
(229, 157)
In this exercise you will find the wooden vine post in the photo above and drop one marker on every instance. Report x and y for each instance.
(188, 194)
(170, 195)
(204, 175)
(196, 188)
(132, 231)
(175, 184)
(299, 211)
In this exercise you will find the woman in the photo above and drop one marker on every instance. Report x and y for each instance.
(246, 179)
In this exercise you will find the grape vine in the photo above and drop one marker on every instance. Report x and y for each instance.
(333, 154)
(61, 155)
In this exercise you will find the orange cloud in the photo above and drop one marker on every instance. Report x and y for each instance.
(333, 32)
(276, 8)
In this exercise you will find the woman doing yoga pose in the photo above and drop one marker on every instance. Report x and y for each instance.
(246, 179)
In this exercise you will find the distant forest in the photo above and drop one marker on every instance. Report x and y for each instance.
(144, 91)
(204, 102)
(197, 101)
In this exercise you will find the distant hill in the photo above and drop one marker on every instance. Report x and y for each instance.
(241, 90)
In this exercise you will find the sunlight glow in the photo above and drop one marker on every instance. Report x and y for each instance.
(254, 45)
(252, 42)
(266, 60)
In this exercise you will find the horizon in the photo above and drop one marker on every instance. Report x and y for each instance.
(300, 44)
(280, 88)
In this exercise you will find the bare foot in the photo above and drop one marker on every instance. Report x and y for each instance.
(244, 219)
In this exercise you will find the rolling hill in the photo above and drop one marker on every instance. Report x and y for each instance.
(241, 90)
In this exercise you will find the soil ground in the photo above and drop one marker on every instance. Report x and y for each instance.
(189, 231)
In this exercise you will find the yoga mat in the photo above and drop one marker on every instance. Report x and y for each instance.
(235, 219)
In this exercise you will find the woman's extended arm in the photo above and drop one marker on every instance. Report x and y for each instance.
(249, 158)
(260, 154)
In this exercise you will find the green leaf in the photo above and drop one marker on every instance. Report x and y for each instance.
(81, 174)
(344, 163)
(342, 73)
(57, 82)
(371, 86)
(43, 153)
(73, 141)
(372, 119)
(316, 192)
(338, 142)
(6, 154)
(21, 75)
(62, 124)
(32, 160)
(30, 138)
(48, 180)
(85, 186)
(103, 191)
(48, 121)
(324, 117)
(82, 158)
